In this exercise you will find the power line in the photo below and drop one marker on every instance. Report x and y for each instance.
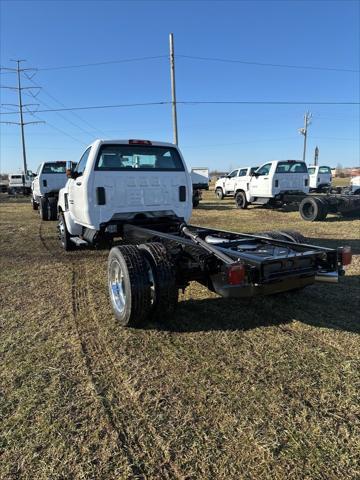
(60, 130)
(72, 112)
(96, 64)
(261, 64)
(189, 103)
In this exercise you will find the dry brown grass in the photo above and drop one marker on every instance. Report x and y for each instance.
(254, 389)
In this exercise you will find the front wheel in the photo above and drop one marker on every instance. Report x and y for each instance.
(241, 200)
(44, 209)
(64, 235)
(219, 193)
(129, 285)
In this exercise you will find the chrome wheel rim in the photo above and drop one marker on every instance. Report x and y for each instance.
(61, 228)
(117, 286)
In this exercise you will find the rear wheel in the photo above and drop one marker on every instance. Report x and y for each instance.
(241, 200)
(64, 235)
(34, 205)
(129, 285)
(219, 193)
(313, 209)
(52, 208)
(44, 209)
(164, 292)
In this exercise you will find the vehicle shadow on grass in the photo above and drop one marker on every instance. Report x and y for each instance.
(215, 206)
(306, 306)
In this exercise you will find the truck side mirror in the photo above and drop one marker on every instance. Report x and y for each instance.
(70, 170)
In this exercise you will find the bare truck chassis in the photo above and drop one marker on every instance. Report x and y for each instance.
(144, 275)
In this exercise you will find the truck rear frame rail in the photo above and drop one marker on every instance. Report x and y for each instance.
(228, 263)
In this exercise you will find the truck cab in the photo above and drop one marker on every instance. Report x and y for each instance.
(273, 181)
(234, 181)
(19, 183)
(319, 178)
(50, 178)
(118, 181)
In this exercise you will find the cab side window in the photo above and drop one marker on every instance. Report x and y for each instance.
(264, 170)
(233, 173)
(242, 172)
(80, 167)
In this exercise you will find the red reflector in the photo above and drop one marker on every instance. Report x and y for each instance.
(236, 274)
(345, 255)
(140, 142)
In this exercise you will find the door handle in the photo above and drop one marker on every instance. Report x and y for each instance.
(78, 183)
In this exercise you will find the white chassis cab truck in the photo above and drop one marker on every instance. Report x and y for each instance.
(227, 186)
(118, 181)
(320, 178)
(275, 183)
(19, 183)
(141, 191)
(50, 178)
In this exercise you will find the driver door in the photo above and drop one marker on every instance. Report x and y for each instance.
(260, 185)
(77, 192)
(230, 181)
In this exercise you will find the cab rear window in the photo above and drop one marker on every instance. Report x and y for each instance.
(324, 170)
(138, 157)
(291, 167)
(58, 167)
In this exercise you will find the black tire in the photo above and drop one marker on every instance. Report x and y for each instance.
(44, 209)
(129, 285)
(240, 200)
(313, 209)
(219, 193)
(195, 203)
(34, 205)
(52, 208)
(165, 292)
(64, 235)
(293, 236)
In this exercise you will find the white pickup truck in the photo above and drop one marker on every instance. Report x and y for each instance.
(19, 183)
(227, 186)
(141, 191)
(319, 178)
(355, 185)
(273, 184)
(122, 180)
(50, 178)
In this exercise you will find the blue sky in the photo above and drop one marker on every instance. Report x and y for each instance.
(311, 33)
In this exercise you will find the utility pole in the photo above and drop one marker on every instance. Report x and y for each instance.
(21, 118)
(173, 89)
(316, 156)
(304, 130)
(19, 89)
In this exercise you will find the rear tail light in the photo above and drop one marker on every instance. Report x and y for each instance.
(45, 183)
(345, 255)
(276, 183)
(236, 274)
(100, 196)
(306, 182)
(182, 193)
(140, 142)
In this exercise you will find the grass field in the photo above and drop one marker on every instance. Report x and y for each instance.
(241, 389)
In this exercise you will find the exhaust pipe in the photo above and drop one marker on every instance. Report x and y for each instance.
(327, 277)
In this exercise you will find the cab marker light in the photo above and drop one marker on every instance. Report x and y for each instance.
(139, 142)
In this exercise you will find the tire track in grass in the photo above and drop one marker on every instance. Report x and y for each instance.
(104, 376)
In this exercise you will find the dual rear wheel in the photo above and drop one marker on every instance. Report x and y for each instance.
(142, 283)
